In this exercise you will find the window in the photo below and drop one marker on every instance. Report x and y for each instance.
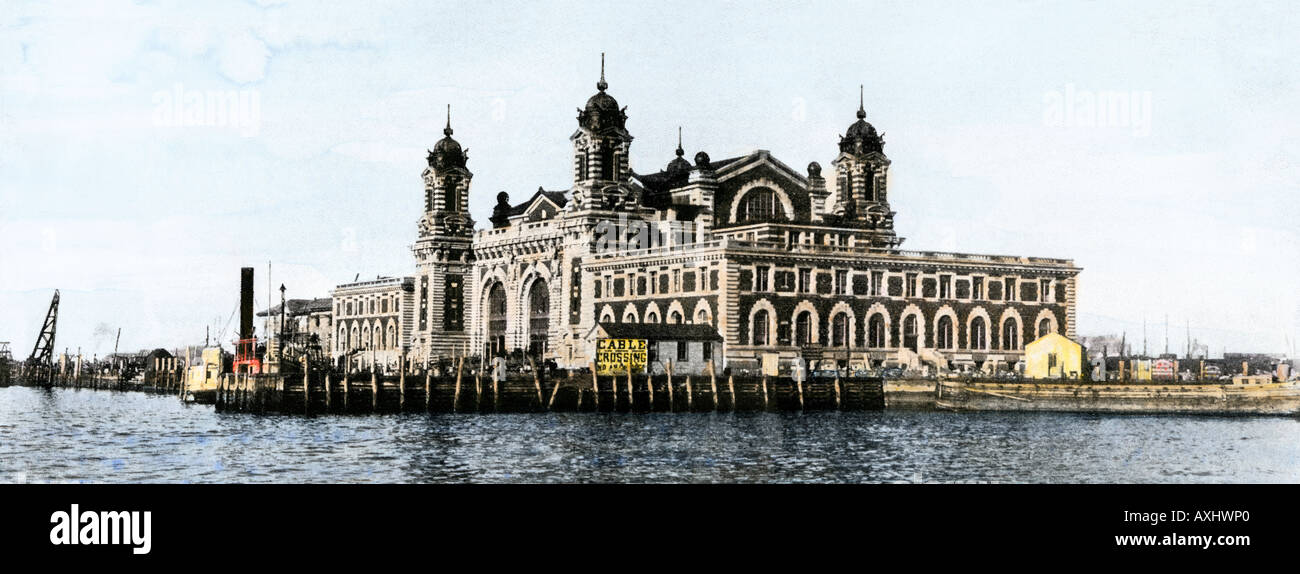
(876, 331)
(944, 336)
(759, 205)
(945, 286)
(978, 336)
(841, 282)
(977, 288)
(702, 318)
(582, 166)
(805, 280)
(760, 328)
(911, 284)
(451, 195)
(1010, 336)
(760, 278)
(607, 159)
(652, 317)
(682, 354)
(1051, 361)
(597, 287)
(877, 282)
(840, 330)
(1009, 287)
(653, 283)
(384, 306)
(707, 348)
(675, 318)
(1044, 327)
(803, 329)
(1044, 289)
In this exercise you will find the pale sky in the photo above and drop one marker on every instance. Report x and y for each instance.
(1189, 211)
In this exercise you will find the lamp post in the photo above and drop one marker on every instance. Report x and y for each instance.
(280, 351)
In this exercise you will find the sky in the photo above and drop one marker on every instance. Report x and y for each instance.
(1177, 196)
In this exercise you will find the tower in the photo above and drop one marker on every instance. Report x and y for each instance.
(862, 175)
(600, 151)
(443, 254)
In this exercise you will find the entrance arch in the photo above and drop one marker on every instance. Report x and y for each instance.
(495, 344)
(539, 318)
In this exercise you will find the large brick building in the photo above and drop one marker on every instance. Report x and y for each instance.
(781, 263)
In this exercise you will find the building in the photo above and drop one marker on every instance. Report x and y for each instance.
(779, 263)
(308, 327)
(373, 323)
(1053, 356)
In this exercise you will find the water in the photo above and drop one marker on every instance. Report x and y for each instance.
(102, 436)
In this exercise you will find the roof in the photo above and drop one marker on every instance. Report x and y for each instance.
(301, 306)
(657, 331)
(559, 198)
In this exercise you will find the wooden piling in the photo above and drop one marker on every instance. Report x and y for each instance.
(713, 386)
(328, 391)
(650, 386)
(799, 385)
(765, 407)
(478, 388)
(455, 398)
(428, 389)
(306, 386)
(731, 389)
(401, 387)
(837, 391)
(554, 390)
(374, 390)
(537, 381)
(346, 391)
(631, 403)
(496, 394)
(690, 399)
(595, 386)
(668, 368)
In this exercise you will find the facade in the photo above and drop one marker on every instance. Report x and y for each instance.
(780, 263)
(373, 323)
(308, 326)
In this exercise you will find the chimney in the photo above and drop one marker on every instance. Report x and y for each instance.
(245, 303)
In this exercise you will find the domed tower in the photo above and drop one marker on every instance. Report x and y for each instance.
(600, 150)
(861, 172)
(443, 253)
(679, 164)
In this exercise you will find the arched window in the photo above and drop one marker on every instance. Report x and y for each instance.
(652, 317)
(760, 205)
(876, 331)
(760, 328)
(702, 318)
(1044, 327)
(803, 329)
(944, 334)
(539, 317)
(1010, 336)
(978, 334)
(840, 330)
(674, 318)
(496, 320)
(911, 338)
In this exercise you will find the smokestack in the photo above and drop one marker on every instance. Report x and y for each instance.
(245, 303)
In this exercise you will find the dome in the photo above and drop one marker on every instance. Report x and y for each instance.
(447, 152)
(602, 111)
(861, 137)
(679, 164)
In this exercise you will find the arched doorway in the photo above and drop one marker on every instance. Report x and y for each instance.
(539, 318)
(803, 329)
(496, 321)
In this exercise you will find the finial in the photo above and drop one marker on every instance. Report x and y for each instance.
(862, 110)
(680, 151)
(447, 130)
(601, 85)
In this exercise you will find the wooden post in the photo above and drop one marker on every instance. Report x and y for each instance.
(650, 386)
(428, 389)
(221, 383)
(630, 402)
(455, 398)
(799, 385)
(690, 398)
(668, 368)
(731, 388)
(837, 390)
(496, 386)
(555, 389)
(401, 386)
(478, 388)
(713, 384)
(374, 389)
(328, 391)
(537, 381)
(306, 387)
(347, 390)
(765, 407)
(595, 385)
(579, 388)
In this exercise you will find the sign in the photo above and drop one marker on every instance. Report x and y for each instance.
(618, 356)
(771, 364)
(1162, 369)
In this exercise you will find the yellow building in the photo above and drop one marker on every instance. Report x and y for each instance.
(1053, 356)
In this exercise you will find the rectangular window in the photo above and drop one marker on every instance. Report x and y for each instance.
(877, 282)
(805, 280)
(1009, 287)
(977, 288)
(682, 351)
(653, 283)
(841, 282)
(708, 351)
(688, 282)
(911, 284)
(760, 278)
(1044, 289)
(945, 286)
(453, 306)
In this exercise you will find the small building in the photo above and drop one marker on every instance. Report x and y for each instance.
(690, 348)
(373, 323)
(1053, 356)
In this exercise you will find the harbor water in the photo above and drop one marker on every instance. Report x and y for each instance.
(82, 435)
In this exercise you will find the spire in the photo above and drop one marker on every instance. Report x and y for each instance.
(447, 130)
(601, 85)
(680, 151)
(862, 110)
